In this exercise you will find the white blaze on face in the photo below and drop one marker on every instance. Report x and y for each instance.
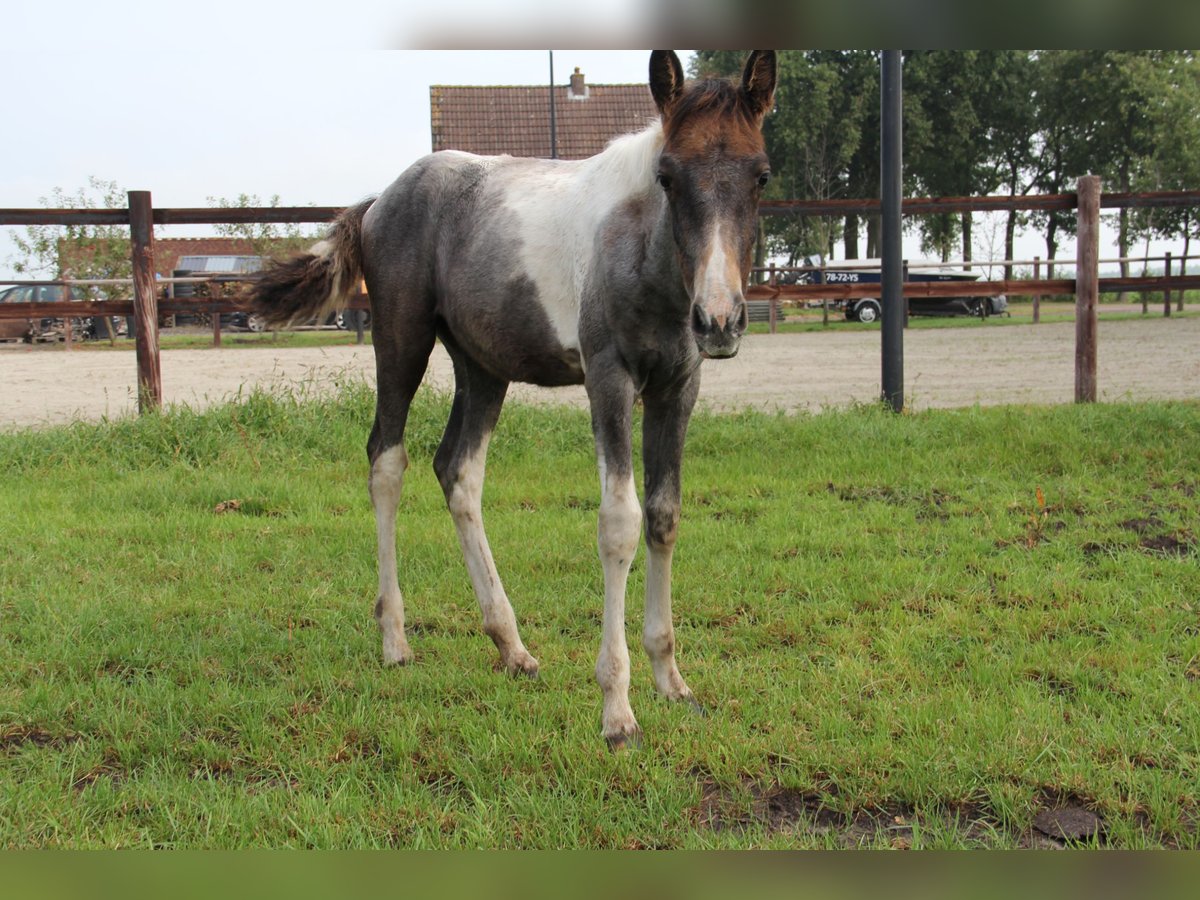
(718, 280)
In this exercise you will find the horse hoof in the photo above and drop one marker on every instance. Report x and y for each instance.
(527, 666)
(530, 672)
(398, 657)
(624, 741)
(695, 706)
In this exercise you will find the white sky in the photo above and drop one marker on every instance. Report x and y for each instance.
(290, 97)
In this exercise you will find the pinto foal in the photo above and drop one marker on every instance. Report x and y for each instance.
(620, 272)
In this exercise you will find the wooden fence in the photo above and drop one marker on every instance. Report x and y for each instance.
(146, 306)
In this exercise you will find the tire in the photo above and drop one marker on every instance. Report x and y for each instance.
(867, 311)
(255, 323)
(981, 307)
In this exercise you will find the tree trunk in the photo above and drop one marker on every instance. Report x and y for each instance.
(966, 240)
(850, 237)
(1123, 233)
(1051, 247)
(1010, 233)
(760, 251)
(872, 237)
(1187, 240)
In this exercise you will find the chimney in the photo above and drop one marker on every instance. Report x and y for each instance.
(578, 89)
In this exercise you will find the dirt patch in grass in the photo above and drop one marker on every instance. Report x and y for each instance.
(13, 737)
(109, 767)
(1061, 820)
(783, 810)
(1155, 540)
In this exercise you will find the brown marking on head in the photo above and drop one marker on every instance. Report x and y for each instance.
(713, 167)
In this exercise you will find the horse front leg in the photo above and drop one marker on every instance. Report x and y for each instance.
(617, 540)
(459, 464)
(663, 430)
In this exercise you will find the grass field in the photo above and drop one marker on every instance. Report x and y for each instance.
(928, 630)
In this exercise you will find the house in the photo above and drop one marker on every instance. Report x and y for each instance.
(167, 252)
(515, 120)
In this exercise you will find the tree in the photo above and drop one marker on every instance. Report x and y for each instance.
(822, 102)
(949, 135)
(79, 251)
(267, 239)
(1010, 116)
(1174, 159)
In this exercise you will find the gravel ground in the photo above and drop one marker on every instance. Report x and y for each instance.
(1139, 359)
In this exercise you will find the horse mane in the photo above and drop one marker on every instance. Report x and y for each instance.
(631, 160)
(712, 96)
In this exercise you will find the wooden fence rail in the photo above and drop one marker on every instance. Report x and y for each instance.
(141, 217)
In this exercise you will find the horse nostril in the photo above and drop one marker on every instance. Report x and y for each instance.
(701, 323)
(743, 317)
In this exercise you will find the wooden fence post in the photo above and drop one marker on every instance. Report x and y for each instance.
(1037, 298)
(145, 301)
(1087, 285)
(1167, 288)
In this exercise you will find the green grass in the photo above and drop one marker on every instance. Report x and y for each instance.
(915, 630)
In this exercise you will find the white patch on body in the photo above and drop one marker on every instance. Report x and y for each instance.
(560, 208)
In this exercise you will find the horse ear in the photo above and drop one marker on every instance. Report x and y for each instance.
(758, 81)
(666, 79)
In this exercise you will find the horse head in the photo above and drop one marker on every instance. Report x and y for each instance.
(712, 170)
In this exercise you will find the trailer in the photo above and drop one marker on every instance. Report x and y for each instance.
(870, 271)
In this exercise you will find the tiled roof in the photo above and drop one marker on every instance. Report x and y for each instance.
(516, 120)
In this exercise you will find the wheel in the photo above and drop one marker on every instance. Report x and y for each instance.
(340, 320)
(255, 323)
(868, 311)
(981, 307)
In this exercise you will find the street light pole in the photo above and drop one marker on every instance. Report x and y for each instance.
(892, 295)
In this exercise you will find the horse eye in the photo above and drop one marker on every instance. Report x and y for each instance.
(763, 179)
(664, 181)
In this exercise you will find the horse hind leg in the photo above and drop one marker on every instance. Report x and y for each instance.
(401, 365)
(459, 464)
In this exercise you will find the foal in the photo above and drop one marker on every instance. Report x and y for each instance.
(619, 272)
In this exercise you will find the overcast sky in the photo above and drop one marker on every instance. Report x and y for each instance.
(309, 101)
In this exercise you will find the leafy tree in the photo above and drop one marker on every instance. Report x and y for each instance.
(267, 239)
(1174, 159)
(1010, 116)
(823, 100)
(1063, 138)
(79, 251)
(950, 135)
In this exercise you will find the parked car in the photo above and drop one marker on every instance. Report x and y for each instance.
(42, 328)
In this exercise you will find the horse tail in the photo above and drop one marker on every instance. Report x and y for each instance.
(313, 283)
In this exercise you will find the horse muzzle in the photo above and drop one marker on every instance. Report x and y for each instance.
(718, 337)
